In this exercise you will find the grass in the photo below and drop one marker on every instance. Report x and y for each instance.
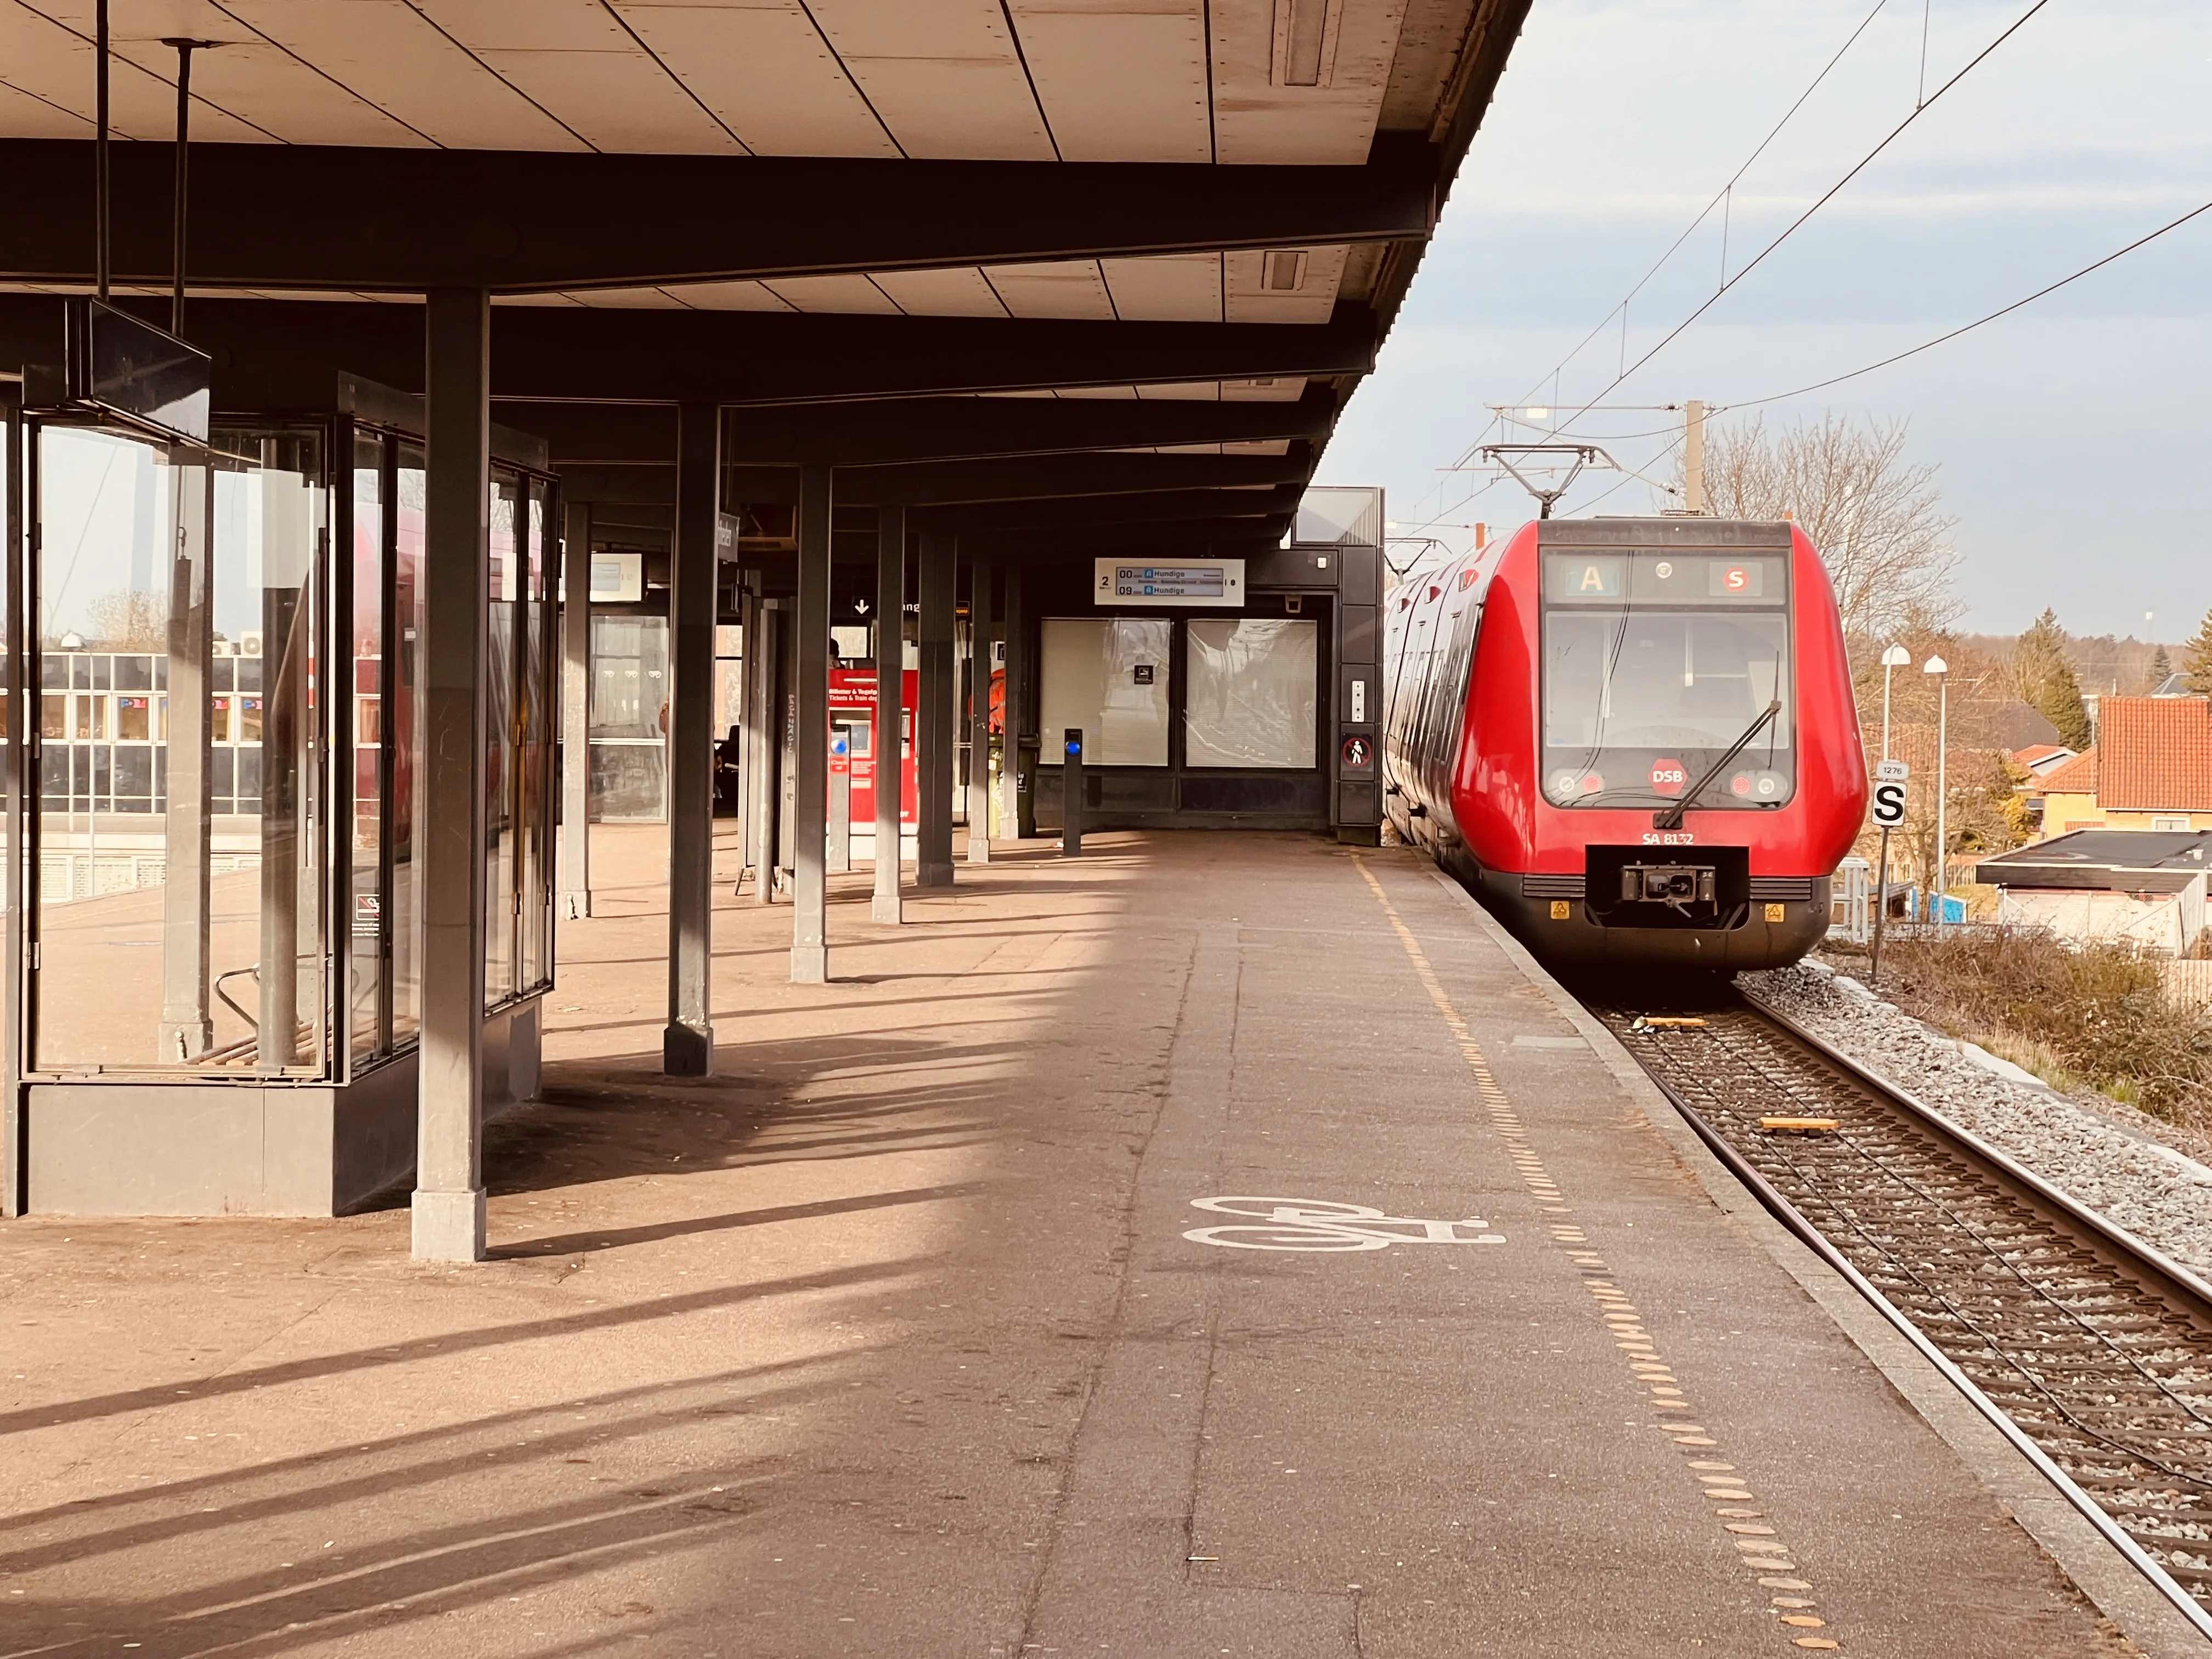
(2094, 1015)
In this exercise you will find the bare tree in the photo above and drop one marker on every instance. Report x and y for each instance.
(127, 619)
(1875, 516)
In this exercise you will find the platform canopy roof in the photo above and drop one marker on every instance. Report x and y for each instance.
(864, 225)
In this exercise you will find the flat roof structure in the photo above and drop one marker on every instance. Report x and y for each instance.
(2105, 860)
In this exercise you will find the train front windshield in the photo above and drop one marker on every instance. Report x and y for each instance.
(1655, 666)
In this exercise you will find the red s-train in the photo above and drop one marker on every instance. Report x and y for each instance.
(1634, 739)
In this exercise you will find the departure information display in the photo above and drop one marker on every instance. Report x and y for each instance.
(1195, 582)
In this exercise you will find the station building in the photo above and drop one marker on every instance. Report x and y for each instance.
(605, 401)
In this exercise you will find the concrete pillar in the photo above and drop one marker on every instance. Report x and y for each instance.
(185, 1032)
(890, 708)
(810, 942)
(933, 723)
(979, 714)
(449, 1193)
(1017, 816)
(687, 1046)
(575, 875)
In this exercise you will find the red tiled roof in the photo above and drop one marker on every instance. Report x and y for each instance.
(2076, 777)
(2157, 754)
(2038, 752)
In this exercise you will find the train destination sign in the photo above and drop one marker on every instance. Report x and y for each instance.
(1192, 582)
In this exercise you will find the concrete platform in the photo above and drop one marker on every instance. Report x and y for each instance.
(891, 1338)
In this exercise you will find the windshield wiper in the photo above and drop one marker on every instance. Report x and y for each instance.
(1672, 818)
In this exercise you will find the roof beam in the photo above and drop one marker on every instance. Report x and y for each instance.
(951, 484)
(402, 221)
(898, 429)
(1227, 537)
(276, 354)
(1160, 507)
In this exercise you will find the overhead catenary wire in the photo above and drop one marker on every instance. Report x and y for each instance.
(1819, 202)
(1721, 199)
(1979, 322)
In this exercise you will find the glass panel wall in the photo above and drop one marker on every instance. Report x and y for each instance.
(203, 641)
(364, 716)
(534, 776)
(629, 718)
(411, 486)
(501, 907)
(177, 887)
(1109, 676)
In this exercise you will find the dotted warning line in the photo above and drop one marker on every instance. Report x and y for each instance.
(1760, 1545)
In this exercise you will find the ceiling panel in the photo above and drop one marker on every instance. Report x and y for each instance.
(1121, 79)
(851, 295)
(575, 58)
(43, 58)
(1205, 392)
(1125, 393)
(1281, 389)
(960, 291)
(765, 70)
(389, 54)
(1057, 287)
(1320, 273)
(616, 101)
(943, 74)
(1175, 287)
(251, 78)
(729, 296)
(1258, 119)
(23, 115)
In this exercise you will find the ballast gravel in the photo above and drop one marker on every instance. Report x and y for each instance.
(2089, 1151)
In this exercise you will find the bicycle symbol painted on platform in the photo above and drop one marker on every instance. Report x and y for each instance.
(1316, 1224)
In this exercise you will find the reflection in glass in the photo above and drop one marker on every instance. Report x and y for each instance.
(499, 755)
(1252, 692)
(178, 927)
(1109, 676)
(409, 487)
(364, 904)
(629, 724)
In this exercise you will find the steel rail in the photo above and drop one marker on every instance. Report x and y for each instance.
(2171, 1280)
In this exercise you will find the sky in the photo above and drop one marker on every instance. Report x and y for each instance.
(2073, 440)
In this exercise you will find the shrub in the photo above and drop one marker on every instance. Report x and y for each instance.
(2100, 1011)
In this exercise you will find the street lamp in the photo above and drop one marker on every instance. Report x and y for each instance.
(1941, 670)
(1895, 658)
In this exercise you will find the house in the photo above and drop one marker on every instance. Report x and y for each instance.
(2039, 760)
(2150, 769)
(2143, 887)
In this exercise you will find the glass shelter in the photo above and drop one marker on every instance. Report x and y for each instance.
(220, 816)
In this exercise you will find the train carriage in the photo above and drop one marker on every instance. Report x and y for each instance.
(1634, 739)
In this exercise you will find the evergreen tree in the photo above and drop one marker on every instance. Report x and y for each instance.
(2045, 680)
(2162, 666)
(2196, 658)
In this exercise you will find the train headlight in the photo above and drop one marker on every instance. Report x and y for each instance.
(1565, 786)
(1740, 784)
(1769, 785)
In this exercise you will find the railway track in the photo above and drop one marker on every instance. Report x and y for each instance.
(2096, 1349)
